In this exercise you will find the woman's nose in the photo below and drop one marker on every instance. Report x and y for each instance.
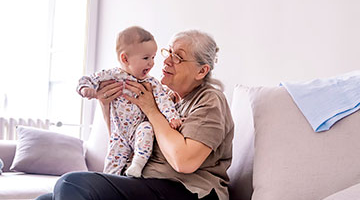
(168, 61)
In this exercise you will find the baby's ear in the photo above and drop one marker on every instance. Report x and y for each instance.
(123, 58)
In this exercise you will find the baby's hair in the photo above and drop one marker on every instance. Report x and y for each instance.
(132, 35)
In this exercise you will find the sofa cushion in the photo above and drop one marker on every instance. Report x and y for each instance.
(17, 185)
(44, 152)
(240, 171)
(291, 160)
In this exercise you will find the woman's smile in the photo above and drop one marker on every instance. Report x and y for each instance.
(165, 72)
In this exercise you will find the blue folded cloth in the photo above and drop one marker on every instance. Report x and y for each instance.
(325, 101)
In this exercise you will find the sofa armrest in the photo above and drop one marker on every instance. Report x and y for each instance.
(7, 153)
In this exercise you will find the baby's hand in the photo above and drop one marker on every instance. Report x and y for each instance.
(175, 123)
(88, 92)
(174, 96)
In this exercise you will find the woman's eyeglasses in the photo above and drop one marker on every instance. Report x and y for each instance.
(176, 59)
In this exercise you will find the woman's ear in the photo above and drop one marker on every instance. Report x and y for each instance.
(203, 72)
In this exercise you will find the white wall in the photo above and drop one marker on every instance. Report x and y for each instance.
(261, 42)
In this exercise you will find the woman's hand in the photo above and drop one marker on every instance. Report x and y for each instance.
(108, 91)
(144, 96)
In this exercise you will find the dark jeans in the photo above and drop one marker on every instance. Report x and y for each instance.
(99, 186)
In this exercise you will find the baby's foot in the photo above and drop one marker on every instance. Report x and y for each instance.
(134, 170)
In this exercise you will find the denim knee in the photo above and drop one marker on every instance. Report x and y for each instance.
(75, 177)
(73, 185)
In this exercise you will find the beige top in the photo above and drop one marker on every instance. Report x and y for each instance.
(207, 120)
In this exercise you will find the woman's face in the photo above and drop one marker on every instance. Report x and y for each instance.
(181, 77)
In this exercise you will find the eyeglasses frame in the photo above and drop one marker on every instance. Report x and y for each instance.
(172, 55)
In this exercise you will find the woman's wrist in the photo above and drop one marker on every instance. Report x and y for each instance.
(152, 113)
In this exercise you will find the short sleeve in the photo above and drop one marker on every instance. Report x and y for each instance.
(205, 121)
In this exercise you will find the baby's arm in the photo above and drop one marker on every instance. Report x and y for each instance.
(88, 85)
(166, 104)
(174, 96)
(87, 92)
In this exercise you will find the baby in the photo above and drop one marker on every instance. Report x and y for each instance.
(130, 132)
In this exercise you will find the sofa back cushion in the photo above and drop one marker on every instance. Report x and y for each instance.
(291, 160)
(240, 171)
(96, 146)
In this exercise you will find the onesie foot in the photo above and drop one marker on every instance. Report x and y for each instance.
(134, 170)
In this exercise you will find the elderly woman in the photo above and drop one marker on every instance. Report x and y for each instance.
(189, 163)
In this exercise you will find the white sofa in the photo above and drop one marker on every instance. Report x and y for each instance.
(18, 185)
(276, 155)
(290, 160)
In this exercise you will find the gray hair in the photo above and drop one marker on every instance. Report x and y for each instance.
(204, 50)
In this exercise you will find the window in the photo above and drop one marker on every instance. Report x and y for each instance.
(42, 57)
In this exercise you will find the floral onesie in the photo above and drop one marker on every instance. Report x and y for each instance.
(130, 132)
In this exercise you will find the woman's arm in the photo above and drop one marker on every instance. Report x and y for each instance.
(108, 91)
(183, 154)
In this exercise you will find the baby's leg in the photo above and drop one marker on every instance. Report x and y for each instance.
(119, 152)
(143, 144)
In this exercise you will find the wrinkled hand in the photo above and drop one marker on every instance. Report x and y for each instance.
(144, 97)
(89, 93)
(108, 91)
(175, 123)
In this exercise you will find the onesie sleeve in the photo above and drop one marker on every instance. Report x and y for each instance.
(93, 80)
(164, 101)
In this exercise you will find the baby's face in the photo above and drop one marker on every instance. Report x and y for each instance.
(141, 59)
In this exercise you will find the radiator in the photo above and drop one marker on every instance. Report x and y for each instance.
(8, 126)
